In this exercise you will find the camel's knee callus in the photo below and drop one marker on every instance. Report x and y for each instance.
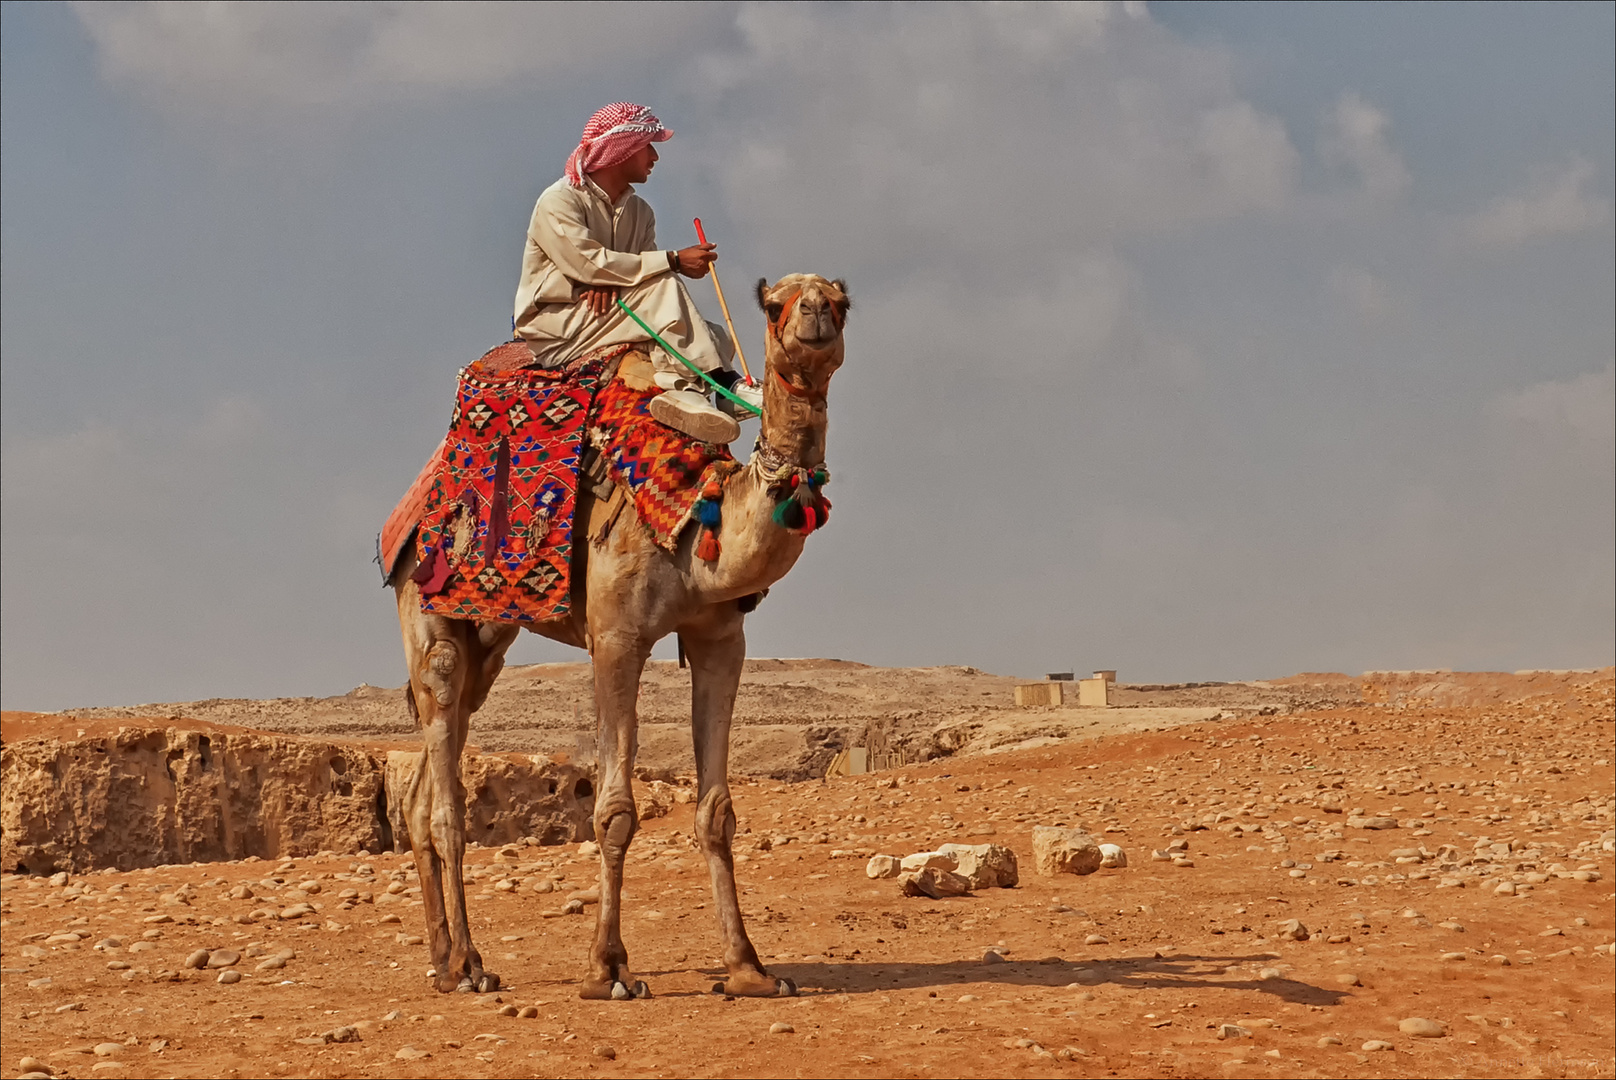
(442, 660)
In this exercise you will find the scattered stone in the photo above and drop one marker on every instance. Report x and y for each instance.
(1347, 978)
(296, 911)
(882, 866)
(223, 958)
(985, 866)
(1233, 1031)
(1096, 939)
(1371, 823)
(1064, 851)
(343, 1034)
(107, 1049)
(196, 960)
(34, 1065)
(1328, 1040)
(410, 1053)
(933, 882)
(780, 1027)
(1112, 857)
(607, 1052)
(929, 860)
(1293, 930)
(1377, 1044)
(528, 1012)
(508, 1010)
(229, 977)
(1269, 974)
(1420, 1028)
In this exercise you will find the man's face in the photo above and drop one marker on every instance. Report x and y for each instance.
(637, 168)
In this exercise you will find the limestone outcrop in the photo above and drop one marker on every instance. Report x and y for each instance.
(150, 795)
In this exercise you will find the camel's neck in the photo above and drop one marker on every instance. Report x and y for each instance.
(794, 420)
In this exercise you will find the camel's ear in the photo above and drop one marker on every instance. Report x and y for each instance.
(847, 301)
(763, 293)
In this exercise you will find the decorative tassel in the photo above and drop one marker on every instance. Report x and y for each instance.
(708, 549)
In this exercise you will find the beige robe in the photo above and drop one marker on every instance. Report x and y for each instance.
(577, 238)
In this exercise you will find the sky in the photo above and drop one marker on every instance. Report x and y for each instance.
(1199, 341)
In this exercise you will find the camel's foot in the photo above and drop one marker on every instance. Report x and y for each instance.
(613, 990)
(446, 980)
(755, 984)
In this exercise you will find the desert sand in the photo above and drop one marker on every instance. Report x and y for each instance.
(1398, 874)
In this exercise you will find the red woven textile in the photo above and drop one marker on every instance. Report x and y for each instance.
(495, 539)
(662, 469)
(612, 135)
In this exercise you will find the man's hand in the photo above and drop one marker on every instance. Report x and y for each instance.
(694, 261)
(599, 300)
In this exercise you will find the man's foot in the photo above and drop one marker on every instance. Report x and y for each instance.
(752, 395)
(690, 412)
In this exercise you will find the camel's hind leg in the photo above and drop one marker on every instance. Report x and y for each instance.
(716, 649)
(452, 665)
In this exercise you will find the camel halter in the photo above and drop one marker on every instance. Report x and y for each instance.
(777, 327)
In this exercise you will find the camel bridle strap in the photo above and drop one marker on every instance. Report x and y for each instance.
(777, 328)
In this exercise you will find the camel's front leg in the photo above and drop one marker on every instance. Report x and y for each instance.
(619, 661)
(716, 650)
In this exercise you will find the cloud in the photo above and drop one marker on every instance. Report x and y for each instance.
(229, 58)
(1583, 408)
(1355, 140)
(1361, 292)
(993, 140)
(1557, 203)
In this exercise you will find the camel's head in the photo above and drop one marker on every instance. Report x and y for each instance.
(806, 313)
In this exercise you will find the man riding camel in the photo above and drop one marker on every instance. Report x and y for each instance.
(591, 241)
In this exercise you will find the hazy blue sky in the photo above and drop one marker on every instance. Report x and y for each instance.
(1199, 341)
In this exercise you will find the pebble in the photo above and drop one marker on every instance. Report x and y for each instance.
(273, 963)
(1347, 978)
(1269, 974)
(1328, 1040)
(528, 1012)
(107, 1049)
(1377, 1044)
(229, 976)
(223, 958)
(1096, 939)
(607, 1052)
(508, 1010)
(1293, 930)
(882, 866)
(1421, 1028)
(780, 1027)
(1233, 1031)
(198, 959)
(33, 1064)
(410, 1053)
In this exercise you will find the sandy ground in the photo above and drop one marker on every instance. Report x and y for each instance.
(1131, 971)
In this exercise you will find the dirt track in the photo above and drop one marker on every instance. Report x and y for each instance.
(1517, 791)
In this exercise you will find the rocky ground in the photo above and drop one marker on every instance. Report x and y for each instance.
(1406, 875)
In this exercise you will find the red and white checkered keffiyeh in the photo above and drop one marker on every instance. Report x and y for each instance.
(613, 134)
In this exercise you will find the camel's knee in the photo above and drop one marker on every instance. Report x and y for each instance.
(614, 828)
(444, 663)
(715, 821)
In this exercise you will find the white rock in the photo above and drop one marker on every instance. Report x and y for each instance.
(1112, 857)
(882, 866)
(1064, 851)
(930, 860)
(985, 866)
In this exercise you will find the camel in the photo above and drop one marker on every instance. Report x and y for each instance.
(627, 595)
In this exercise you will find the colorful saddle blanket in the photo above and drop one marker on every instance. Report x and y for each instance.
(495, 534)
(491, 514)
(663, 470)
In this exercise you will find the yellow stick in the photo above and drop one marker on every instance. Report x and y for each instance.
(724, 307)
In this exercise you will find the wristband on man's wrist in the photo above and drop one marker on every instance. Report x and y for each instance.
(673, 261)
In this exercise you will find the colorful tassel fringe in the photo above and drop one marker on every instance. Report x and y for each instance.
(802, 508)
(709, 515)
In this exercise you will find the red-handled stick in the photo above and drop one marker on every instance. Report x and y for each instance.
(733, 336)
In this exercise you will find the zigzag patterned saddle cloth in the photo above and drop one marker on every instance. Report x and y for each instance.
(492, 512)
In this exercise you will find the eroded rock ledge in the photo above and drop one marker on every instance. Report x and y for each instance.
(148, 795)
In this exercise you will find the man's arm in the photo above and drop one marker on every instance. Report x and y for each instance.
(560, 231)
